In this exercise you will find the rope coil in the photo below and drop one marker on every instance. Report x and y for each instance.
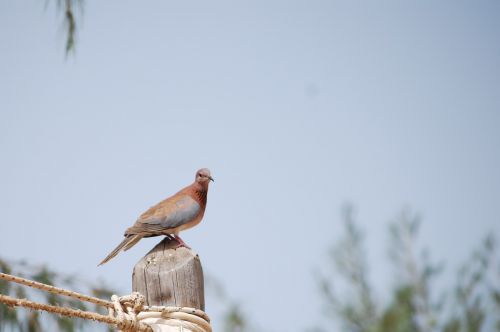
(127, 313)
(179, 317)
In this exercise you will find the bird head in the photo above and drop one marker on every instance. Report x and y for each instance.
(203, 176)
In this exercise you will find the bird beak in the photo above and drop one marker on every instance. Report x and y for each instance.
(211, 179)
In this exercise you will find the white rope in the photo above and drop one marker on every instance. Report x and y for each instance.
(178, 318)
(175, 319)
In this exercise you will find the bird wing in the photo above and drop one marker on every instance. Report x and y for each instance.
(166, 215)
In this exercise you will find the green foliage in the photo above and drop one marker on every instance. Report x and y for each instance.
(68, 8)
(414, 304)
(477, 290)
(234, 319)
(348, 258)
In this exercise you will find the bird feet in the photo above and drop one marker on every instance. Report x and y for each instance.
(180, 242)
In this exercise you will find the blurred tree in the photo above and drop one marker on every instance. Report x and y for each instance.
(68, 8)
(233, 317)
(414, 302)
(32, 321)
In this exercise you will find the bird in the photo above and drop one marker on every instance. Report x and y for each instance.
(176, 213)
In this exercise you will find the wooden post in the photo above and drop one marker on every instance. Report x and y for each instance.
(170, 276)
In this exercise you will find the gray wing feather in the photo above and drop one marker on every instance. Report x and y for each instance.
(181, 212)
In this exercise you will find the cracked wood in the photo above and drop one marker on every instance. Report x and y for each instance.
(169, 276)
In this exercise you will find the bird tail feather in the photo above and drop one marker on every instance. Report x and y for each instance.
(126, 244)
(133, 240)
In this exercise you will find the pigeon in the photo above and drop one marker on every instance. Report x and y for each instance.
(177, 213)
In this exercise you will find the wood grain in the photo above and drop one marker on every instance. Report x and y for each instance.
(170, 276)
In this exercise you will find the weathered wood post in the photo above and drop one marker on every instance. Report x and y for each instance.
(170, 276)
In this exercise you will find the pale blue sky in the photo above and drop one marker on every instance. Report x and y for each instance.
(295, 106)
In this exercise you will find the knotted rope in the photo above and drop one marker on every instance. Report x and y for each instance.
(179, 317)
(126, 313)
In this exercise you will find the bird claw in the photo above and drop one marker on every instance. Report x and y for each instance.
(181, 243)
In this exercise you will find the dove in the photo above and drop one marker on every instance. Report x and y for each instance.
(177, 213)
